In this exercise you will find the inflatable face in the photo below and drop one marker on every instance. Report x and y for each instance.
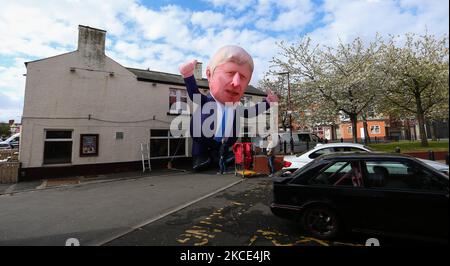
(229, 74)
(229, 82)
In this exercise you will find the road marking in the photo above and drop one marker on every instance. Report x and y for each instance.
(10, 189)
(131, 229)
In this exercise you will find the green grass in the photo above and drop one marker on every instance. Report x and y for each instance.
(410, 146)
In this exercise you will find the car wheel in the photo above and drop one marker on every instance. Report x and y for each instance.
(321, 222)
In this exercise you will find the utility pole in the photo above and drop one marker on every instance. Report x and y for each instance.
(289, 111)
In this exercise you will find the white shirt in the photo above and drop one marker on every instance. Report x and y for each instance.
(229, 111)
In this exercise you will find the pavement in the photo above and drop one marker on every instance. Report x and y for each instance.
(26, 186)
(96, 210)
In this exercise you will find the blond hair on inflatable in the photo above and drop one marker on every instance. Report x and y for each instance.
(230, 53)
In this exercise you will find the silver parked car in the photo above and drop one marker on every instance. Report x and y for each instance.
(293, 162)
(11, 142)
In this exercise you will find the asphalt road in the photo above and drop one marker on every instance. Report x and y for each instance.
(96, 213)
(184, 209)
(237, 216)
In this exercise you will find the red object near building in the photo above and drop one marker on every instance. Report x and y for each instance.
(243, 154)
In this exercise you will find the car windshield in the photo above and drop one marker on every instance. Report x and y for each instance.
(443, 172)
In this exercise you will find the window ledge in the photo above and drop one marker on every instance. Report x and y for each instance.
(177, 114)
(57, 164)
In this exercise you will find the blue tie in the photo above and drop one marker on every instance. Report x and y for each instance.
(222, 128)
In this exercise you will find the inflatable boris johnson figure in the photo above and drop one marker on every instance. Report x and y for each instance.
(229, 73)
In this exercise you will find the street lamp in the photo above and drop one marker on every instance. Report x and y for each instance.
(289, 110)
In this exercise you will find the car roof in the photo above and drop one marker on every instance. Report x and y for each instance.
(12, 137)
(340, 144)
(364, 155)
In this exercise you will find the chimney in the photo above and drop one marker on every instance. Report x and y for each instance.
(91, 44)
(198, 70)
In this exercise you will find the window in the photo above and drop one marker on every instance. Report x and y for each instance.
(246, 100)
(375, 129)
(347, 149)
(340, 174)
(344, 117)
(58, 146)
(321, 152)
(318, 130)
(177, 100)
(349, 130)
(304, 137)
(163, 144)
(401, 175)
(119, 135)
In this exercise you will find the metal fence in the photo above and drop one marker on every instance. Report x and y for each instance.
(385, 139)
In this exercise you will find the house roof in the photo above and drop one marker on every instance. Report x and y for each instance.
(174, 79)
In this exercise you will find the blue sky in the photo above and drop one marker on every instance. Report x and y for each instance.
(162, 34)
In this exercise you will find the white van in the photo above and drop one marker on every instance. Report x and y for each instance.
(11, 142)
(303, 141)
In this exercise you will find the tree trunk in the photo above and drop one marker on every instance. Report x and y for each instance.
(433, 130)
(366, 131)
(407, 130)
(354, 120)
(283, 122)
(421, 119)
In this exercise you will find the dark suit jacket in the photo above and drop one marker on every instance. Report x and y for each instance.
(203, 145)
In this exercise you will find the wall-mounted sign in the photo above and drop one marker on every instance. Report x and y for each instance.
(88, 145)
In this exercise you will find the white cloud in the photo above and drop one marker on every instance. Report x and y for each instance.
(12, 86)
(290, 15)
(207, 19)
(171, 24)
(236, 5)
(348, 19)
(163, 38)
(33, 27)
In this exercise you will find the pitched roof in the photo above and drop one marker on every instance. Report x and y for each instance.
(174, 79)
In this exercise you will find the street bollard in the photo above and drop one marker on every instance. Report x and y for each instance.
(284, 147)
(307, 145)
(431, 155)
(397, 149)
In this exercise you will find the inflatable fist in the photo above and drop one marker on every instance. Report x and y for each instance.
(187, 69)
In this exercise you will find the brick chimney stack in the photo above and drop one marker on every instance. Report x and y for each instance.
(198, 70)
(91, 44)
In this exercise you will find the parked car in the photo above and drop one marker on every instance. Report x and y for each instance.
(389, 194)
(11, 142)
(303, 141)
(293, 162)
(4, 146)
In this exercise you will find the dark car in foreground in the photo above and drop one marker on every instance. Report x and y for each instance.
(394, 195)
